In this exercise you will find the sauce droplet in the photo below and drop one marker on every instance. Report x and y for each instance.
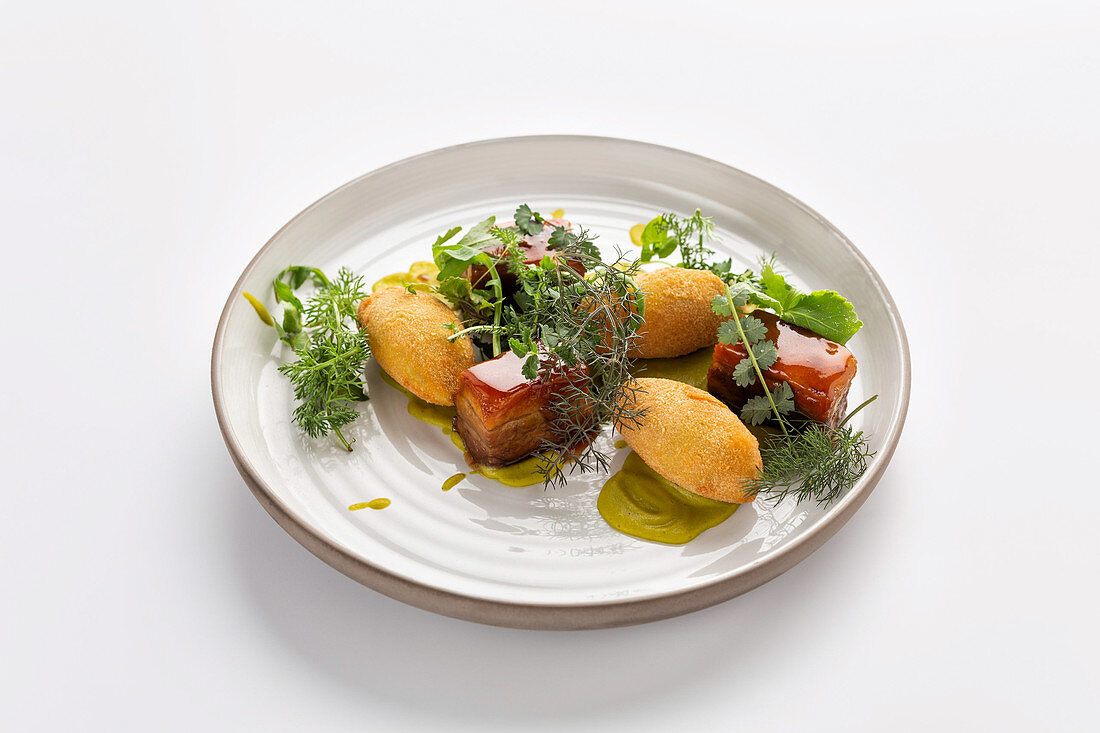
(372, 504)
(557, 214)
(640, 502)
(620, 443)
(452, 481)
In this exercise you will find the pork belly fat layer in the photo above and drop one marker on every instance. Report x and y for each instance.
(819, 371)
(502, 416)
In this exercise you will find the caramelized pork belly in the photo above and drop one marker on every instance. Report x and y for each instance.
(534, 247)
(818, 370)
(503, 416)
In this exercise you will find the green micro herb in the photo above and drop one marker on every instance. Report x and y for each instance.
(329, 349)
(805, 461)
(825, 312)
(528, 222)
(570, 315)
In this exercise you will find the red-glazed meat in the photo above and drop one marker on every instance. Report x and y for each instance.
(503, 416)
(819, 371)
(534, 246)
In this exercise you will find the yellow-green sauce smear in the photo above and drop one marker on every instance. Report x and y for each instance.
(641, 503)
(519, 474)
(439, 415)
(453, 481)
(372, 504)
(421, 276)
(620, 443)
(690, 369)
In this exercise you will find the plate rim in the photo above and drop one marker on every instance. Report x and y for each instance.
(546, 616)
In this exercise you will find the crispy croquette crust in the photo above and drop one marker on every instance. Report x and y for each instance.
(407, 333)
(692, 439)
(678, 314)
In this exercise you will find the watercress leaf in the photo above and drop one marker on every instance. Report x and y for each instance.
(284, 294)
(664, 250)
(446, 236)
(453, 259)
(298, 341)
(827, 314)
(743, 374)
(776, 287)
(754, 329)
(727, 332)
(655, 232)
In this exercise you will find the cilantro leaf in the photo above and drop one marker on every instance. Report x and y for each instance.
(529, 222)
(754, 329)
(743, 373)
(756, 410)
(560, 237)
(784, 398)
(727, 332)
(766, 355)
(721, 306)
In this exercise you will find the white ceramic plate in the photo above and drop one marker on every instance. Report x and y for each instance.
(527, 557)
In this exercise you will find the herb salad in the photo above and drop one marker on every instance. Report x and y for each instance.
(545, 338)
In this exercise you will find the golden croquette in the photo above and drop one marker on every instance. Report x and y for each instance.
(678, 315)
(692, 439)
(407, 333)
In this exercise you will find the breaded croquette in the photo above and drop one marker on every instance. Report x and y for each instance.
(678, 314)
(692, 439)
(407, 333)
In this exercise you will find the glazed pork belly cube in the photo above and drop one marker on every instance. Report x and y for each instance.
(819, 371)
(534, 247)
(503, 416)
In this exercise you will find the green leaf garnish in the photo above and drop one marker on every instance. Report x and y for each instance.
(825, 312)
(453, 259)
(529, 222)
(754, 329)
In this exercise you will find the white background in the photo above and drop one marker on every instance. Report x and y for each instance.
(148, 152)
